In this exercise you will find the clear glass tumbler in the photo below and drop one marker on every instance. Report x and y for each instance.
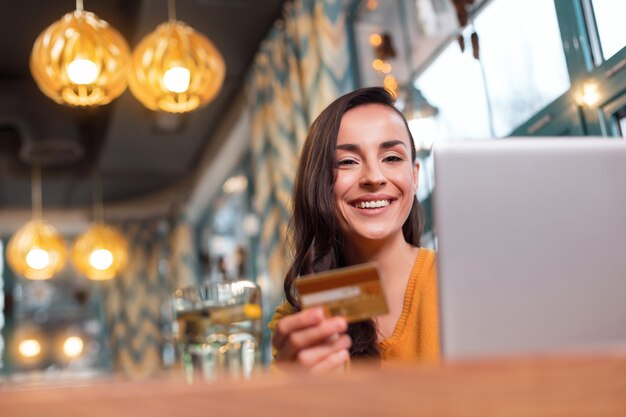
(218, 329)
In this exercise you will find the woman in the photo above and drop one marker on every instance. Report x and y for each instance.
(354, 202)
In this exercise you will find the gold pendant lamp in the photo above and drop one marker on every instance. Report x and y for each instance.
(36, 251)
(80, 60)
(176, 69)
(100, 253)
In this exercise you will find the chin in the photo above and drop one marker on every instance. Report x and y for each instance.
(372, 234)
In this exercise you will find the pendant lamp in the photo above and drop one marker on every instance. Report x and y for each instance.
(101, 252)
(36, 251)
(80, 60)
(176, 69)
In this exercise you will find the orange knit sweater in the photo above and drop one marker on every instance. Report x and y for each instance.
(416, 335)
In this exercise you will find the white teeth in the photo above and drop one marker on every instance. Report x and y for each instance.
(372, 204)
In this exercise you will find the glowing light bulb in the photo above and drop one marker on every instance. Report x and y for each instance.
(378, 64)
(375, 39)
(29, 348)
(37, 258)
(82, 71)
(176, 79)
(73, 346)
(590, 95)
(101, 259)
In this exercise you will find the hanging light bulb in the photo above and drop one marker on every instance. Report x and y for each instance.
(175, 68)
(73, 347)
(80, 60)
(101, 252)
(36, 251)
(29, 348)
(176, 79)
(28, 344)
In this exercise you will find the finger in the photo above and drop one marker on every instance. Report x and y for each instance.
(332, 362)
(314, 355)
(310, 337)
(294, 322)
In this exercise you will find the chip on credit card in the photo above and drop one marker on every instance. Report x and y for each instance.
(354, 292)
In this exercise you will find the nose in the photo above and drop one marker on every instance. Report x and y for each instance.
(372, 175)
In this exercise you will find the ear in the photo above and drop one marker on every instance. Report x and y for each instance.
(416, 171)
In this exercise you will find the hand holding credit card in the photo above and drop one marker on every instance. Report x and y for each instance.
(354, 292)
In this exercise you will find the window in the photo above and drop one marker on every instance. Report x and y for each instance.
(523, 59)
(521, 70)
(607, 17)
(622, 123)
(453, 83)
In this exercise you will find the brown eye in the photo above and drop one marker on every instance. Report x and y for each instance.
(346, 162)
(393, 158)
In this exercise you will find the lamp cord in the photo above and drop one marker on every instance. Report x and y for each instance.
(35, 192)
(96, 196)
(171, 10)
(79, 5)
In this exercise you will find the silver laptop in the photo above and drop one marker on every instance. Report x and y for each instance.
(531, 239)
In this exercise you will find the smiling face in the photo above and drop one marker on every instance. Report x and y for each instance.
(375, 176)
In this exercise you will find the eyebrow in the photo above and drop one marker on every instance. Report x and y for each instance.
(385, 145)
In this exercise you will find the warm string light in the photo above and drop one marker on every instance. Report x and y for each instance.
(409, 99)
(391, 84)
(375, 39)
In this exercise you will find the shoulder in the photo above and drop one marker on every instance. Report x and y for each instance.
(426, 260)
(428, 253)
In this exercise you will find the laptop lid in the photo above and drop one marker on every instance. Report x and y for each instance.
(531, 239)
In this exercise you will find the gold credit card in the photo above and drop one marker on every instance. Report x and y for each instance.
(354, 292)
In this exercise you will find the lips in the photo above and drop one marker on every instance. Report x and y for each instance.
(373, 202)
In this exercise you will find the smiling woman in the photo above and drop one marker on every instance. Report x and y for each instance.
(354, 202)
(376, 178)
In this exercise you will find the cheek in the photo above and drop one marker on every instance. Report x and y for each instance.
(341, 185)
(404, 181)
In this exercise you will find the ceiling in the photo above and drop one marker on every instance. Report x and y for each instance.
(136, 152)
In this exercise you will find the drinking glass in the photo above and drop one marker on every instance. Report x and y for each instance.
(218, 329)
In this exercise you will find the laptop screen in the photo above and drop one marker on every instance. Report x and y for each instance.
(531, 238)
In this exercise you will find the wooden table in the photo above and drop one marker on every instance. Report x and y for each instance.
(563, 385)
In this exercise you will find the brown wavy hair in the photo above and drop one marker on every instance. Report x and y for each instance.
(316, 238)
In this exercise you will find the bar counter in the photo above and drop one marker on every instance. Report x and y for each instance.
(554, 385)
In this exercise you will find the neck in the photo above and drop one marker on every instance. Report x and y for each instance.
(391, 256)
